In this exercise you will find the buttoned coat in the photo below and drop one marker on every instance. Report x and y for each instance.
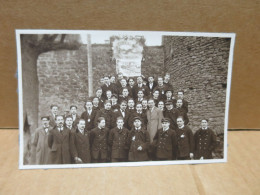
(185, 142)
(99, 143)
(89, 119)
(205, 143)
(59, 146)
(142, 115)
(165, 143)
(40, 142)
(185, 105)
(118, 143)
(141, 139)
(80, 145)
(154, 118)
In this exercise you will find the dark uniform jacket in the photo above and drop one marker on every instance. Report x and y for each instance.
(205, 143)
(142, 115)
(80, 145)
(185, 142)
(89, 119)
(52, 121)
(108, 115)
(144, 88)
(165, 143)
(75, 122)
(120, 91)
(172, 115)
(105, 88)
(59, 145)
(118, 143)
(99, 143)
(183, 113)
(96, 109)
(141, 139)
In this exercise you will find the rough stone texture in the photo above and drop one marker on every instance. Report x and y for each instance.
(199, 65)
(63, 75)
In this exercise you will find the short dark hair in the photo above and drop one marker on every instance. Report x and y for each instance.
(119, 118)
(54, 105)
(100, 119)
(58, 116)
(68, 116)
(73, 106)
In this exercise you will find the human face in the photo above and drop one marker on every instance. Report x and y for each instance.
(114, 100)
(81, 125)
(106, 80)
(139, 80)
(123, 82)
(168, 94)
(140, 94)
(151, 104)
(102, 124)
(165, 125)
(102, 80)
(123, 106)
(161, 105)
(160, 81)
(120, 123)
(131, 103)
(69, 121)
(137, 123)
(180, 122)
(54, 110)
(108, 106)
(89, 105)
(169, 107)
(139, 107)
(45, 122)
(180, 95)
(204, 124)
(73, 110)
(156, 94)
(59, 121)
(144, 103)
(179, 103)
(109, 94)
(125, 92)
(95, 101)
(99, 93)
(167, 78)
(131, 82)
(150, 79)
(112, 79)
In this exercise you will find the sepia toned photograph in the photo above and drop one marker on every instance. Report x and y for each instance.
(122, 98)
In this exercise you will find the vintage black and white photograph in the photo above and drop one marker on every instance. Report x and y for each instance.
(122, 98)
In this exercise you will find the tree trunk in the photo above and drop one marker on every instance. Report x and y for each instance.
(30, 89)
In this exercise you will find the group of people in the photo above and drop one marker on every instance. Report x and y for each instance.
(124, 122)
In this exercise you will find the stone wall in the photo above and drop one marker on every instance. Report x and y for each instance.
(199, 65)
(63, 75)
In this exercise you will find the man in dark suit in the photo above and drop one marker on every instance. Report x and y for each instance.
(171, 114)
(118, 142)
(131, 106)
(138, 140)
(161, 87)
(151, 84)
(106, 87)
(123, 84)
(75, 116)
(101, 99)
(165, 142)
(181, 111)
(89, 115)
(124, 96)
(140, 86)
(166, 81)
(106, 113)
(138, 113)
(95, 101)
(58, 142)
(131, 84)
(185, 141)
(79, 144)
(185, 103)
(122, 113)
(52, 116)
(205, 141)
(99, 142)
(68, 123)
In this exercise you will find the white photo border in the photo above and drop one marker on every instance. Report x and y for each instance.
(121, 164)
